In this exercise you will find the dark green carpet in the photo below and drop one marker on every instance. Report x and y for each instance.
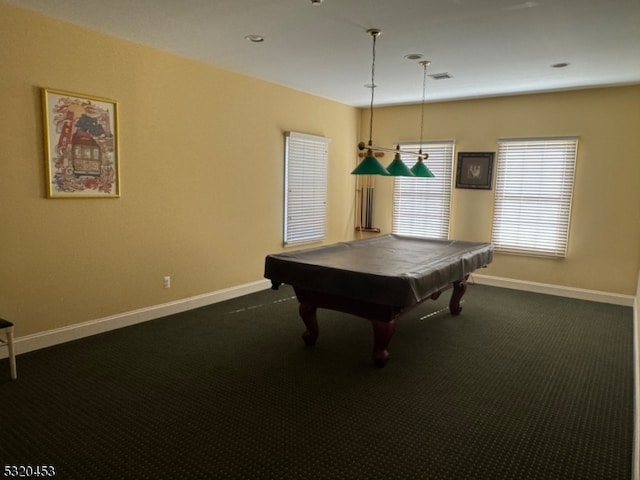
(519, 386)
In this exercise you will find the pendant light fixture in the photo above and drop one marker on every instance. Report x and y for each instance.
(420, 169)
(370, 164)
(398, 168)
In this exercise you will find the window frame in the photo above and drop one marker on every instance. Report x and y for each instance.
(305, 188)
(408, 190)
(532, 215)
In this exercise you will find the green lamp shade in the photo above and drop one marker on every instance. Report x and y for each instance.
(421, 170)
(397, 168)
(370, 166)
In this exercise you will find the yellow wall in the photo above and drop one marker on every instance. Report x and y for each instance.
(201, 153)
(605, 227)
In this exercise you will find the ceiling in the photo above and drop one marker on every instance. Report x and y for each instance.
(488, 47)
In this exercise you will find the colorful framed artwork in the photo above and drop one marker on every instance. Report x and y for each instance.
(81, 145)
(475, 170)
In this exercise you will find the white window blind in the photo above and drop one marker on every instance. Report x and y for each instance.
(305, 188)
(421, 205)
(534, 189)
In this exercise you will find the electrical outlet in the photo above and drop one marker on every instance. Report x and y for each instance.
(167, 282)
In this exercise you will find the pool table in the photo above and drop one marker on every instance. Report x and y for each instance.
(379, 279)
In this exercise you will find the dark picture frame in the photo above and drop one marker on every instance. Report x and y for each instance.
(475, 170)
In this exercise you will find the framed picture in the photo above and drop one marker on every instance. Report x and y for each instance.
(474, 170)
(81, 145)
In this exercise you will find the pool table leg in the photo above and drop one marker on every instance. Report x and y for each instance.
(459, 288)
(308, 315)
(382, 334)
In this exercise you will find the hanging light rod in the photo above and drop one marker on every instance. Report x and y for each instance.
(362, 147)
(370, 164)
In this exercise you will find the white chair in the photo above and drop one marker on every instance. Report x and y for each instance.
(6, 327)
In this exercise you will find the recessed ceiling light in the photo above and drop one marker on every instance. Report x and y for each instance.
(560, 65)
(254, 38)
(315, 3)
(413, 56)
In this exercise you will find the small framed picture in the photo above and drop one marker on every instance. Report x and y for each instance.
(81, 145)
(475, 170)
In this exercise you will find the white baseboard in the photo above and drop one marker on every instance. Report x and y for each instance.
(636, 378)
(635, 474)
(557, 290)
(56, 336)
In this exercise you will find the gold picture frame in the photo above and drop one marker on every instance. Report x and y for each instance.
(81, 145)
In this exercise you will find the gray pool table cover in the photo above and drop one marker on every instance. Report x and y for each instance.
(387, 270)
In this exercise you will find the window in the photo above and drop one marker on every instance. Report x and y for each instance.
(534, 187)
(305, 185)
(421, 205)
